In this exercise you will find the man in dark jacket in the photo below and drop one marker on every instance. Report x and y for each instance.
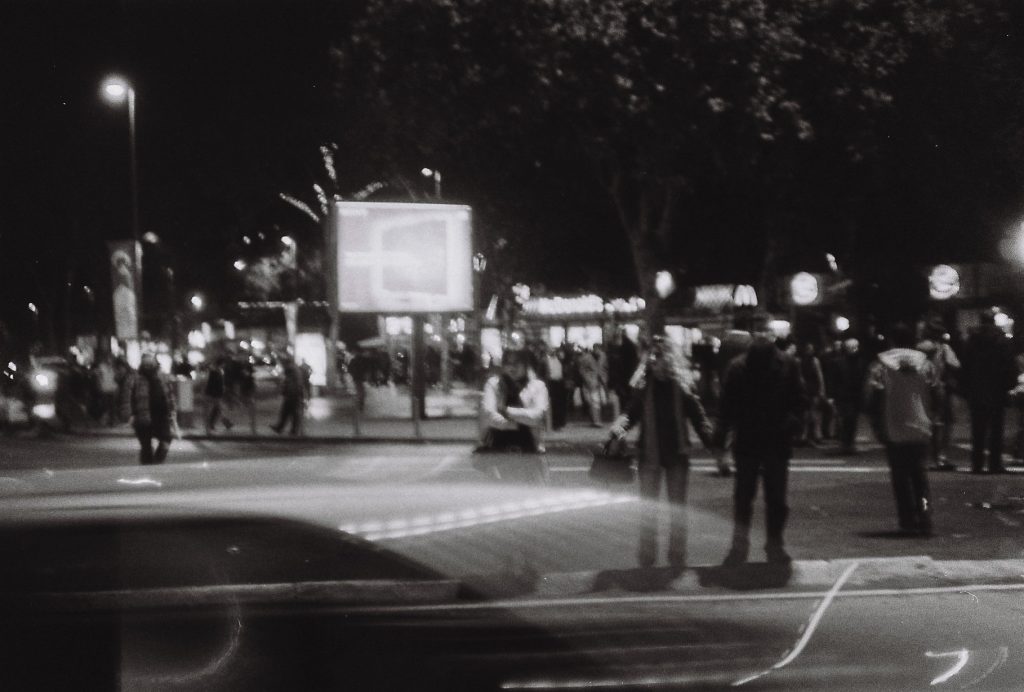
(763, 402)
(148, 401)
(988, 375)
(292, 397)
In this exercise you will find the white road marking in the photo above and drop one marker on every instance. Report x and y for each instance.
(792, 469)
(583, 600)
(961, 655)
(811, 626)
(1001, 657)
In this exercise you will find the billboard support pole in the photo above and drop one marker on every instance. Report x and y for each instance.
(419, 380)
(331, 243)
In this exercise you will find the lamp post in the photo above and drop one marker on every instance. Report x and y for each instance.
(117, 90)
(436, 175)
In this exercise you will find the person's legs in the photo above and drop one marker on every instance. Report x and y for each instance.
(360, 395)
(917, 476)
(145, 436)
(295, 414)
(650, 505)
(212, 413)
(899, 467)
(592, 400)
(557, 404)
(997, 421)
(979, 428)
(776, 480)
(162, 447)
(282, 416)
(744, 492)
(848, 424)
(677, 478)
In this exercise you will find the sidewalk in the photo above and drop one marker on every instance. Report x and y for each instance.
(451, 418)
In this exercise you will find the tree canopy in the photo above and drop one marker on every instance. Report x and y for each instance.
(716, 131)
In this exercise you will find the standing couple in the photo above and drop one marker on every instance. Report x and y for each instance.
(762, 404)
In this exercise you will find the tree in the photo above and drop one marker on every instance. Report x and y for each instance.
(688, 114)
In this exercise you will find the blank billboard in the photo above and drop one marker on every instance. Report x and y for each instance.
(406, 258)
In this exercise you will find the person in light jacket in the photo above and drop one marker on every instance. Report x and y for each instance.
(903, 395)
(514, 413)
(662, 403)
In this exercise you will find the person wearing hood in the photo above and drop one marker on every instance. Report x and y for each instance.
(148, 402)
(764, 401)
(988, 376)
(903, 396)
(663, 400)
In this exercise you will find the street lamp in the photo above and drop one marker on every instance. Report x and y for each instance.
(436, 175)
(197, 302)
(239, 264)
(117, 90)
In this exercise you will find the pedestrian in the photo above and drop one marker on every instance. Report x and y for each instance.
(556, 389)
(663, 401)
(902, 396)
(514, 411)
(247, 390)
(849, 391)
(814, 383)
(148, 403)
(763, 404)
(292, 391)
(106, 387)
(830, 360)
(946, 364)
(590, 385)
(360, 368)
(623, 360)
(216, 391)
(988, 376)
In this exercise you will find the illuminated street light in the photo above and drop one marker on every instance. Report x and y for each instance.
(239, 264)
(842, 324)
(436, 175)
(117, 90)
(33, 309)
(197, 301)
(288, 241)
(664, 284)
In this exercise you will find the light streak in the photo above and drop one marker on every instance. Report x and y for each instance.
(962, 656)
(811, 626)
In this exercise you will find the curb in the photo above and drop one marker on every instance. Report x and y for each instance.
(886, 572)
(757, 579)
(550, 445)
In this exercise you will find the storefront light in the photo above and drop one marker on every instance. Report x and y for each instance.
(943, 282)
(804, 288)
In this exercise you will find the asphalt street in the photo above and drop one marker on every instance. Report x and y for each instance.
(840, 507)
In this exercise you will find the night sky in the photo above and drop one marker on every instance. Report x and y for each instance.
(234, 99)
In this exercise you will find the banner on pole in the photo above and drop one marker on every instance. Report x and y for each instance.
(126, 285)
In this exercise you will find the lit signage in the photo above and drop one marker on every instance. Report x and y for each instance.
(804, 289)
(720, 296)
(744, 296)
(943, 282)
(582, 305)
(404, 258)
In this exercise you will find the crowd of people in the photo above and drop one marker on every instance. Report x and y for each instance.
(773, 396)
